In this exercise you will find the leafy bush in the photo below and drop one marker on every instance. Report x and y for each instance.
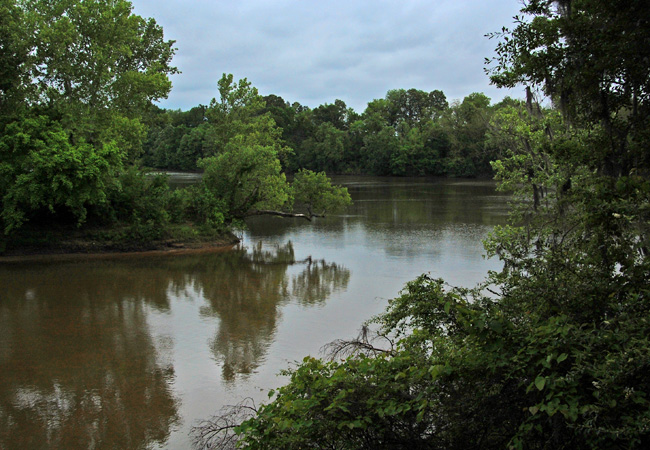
(42, 169)
(140, 198)
(202, 206)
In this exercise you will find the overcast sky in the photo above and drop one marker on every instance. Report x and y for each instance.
(314, 52)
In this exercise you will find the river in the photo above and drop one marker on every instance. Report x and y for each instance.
(131, 352)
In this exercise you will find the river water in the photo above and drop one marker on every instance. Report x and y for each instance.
(131, 352)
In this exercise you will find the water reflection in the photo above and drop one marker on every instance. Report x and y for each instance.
(79, 364)
(246, 295)
(79, 370)
(403, 205)
(130, 352)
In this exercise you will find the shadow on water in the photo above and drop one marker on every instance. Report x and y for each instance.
(78, 366)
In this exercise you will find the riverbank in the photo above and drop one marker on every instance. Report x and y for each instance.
(96, 243)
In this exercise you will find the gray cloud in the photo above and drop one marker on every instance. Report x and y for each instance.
(315, 52)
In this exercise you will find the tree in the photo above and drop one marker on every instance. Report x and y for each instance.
(415, 106)
(244, 179)
(80, 74)
(249, 181)
(42, 169)
(314, 192)
(378, 149)
(336, 114)
(13, 56)
(245, 176)
(590, 57)
(96, 65)
(467, 122)
(239, 112)
(324, 150)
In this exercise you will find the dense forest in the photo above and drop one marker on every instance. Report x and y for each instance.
(552, 351)
(77, 84)
(408, 133)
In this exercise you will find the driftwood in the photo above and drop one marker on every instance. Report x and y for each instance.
(364, 343)
(271, 212)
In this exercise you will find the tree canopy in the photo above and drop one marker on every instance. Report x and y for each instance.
(410, 132)
(76, 78)
(77, 82)
(245, 174)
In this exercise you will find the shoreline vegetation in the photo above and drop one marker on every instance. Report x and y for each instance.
(76, 141)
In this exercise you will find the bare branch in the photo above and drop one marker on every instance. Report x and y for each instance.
(363, 343)
(270, 212)
(218, 432)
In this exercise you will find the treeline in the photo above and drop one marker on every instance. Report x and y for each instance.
(73, 124)
(407, 133)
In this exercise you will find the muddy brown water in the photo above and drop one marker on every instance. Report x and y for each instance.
(132, 352)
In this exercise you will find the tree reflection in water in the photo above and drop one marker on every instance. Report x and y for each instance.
(79, 369)
(80, 366)
(247, 300)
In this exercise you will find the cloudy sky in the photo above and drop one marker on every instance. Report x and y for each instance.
(314, 52)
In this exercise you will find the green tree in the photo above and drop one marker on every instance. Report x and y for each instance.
(246, 179)
(42, 169)
(245, 176)
(589, 57)
(467, 122)
(239, 111)
(79, 76)
(336, 114)
(378, 150)
(414, 106)
(96, 65)
(14, 53)
(324, 150)
(315, 193)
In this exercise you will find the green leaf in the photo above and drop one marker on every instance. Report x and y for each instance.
(436, 370)
(540, 382)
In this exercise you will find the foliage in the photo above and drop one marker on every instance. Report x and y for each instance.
(244, 176)
(13, 55)
(140, 197)
(244, 179)
(75, 80)
(88, 87)
(237, 118)
(408, 133)
(590, 57)
(315, 192)
(324, 150)
(42, 169)
(76, 84)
